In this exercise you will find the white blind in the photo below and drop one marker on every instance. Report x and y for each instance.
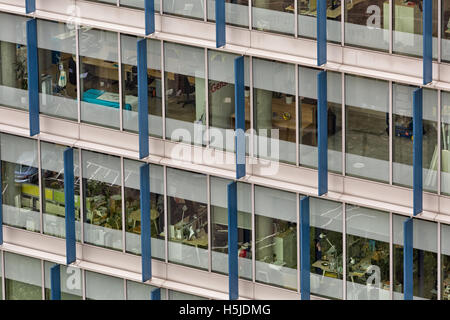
(52, 156)
(102, 287)
(367, 93)
(403, 101)
(307, 84)
(221, 67)
(275, 204)
(326, 214)
(424, 233)
(99, 44)
(274, 76)
(185, 60)
(367, 223)
(129, 52)
(186, 185)
(13, 28)
(23, 269)
(101, 167)
(18, 150)
(132, 176)
(56, 36)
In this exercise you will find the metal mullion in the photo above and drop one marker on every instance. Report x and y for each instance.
(250, 15)
(205, 11)
(439, 35)
(391, 257)
(41, 217)
(343, 4)
(390, 133)
(208, 190)
(77, 57)
(439, 137)
(439, 271)
(80, 168)
(122, 188)
(391, 20)
(3, 275)
(252, 125)
(344, 252)
(83, 283)
(296, 18)
(206, 100)
(297, 116)
(163, 93)
(42, 279)
(166, 213)
(298, 244)
(343, 124)
(125, 293)
(119, 51)
(161, 7)
(253, 237)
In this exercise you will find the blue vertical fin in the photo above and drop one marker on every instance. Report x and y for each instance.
(239, 110)
(233, 242)
(55, 282)
(408, 258)
(322, 115)
(321, 32)
(146, 244)
(417, 151)
(142, 98)
(149, 17)
(220, 24)
(427, 41)
(33, 76)
(69, 196)
(304, 249)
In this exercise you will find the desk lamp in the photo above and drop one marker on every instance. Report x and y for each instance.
(332, 249)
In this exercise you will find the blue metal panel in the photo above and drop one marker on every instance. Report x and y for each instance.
(1, 206)
(146, 236)
(30, 6)
(304, 249)
(417, 151)
(155, 294)
(321, 32)
(408, 258)
(33, 78)
(233, 271)
(55, 282)
(142, 98)
(220, 24)
(427, 41)
(149, 17)
(69, 196)
(322, 115)
(239, 111)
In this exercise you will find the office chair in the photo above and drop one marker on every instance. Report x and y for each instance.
(187, 89)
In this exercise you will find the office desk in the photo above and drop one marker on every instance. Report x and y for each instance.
(326, 267)
(105, 69)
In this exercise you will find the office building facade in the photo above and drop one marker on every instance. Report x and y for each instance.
(87, 85)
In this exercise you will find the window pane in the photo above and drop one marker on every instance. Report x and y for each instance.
(307, 19)
(445, 144)
(403, 137)
(188, 8)
(57, 69)
(367, 24)
(22, 277)
(103, 287)
(70, 282)
(102, 200)
(274, 108)
(133, 208)
(219, 220)
(140, 291)
(445, 33)
(20, 179)
(185, 92)
(138, 4)
(367, 122)
(13, 66)
(276, 16)
(175, 295)
(445, 262)
(236, 12)
(408, 27)
(308, 118)
(130, 85)
(326, 248)
(424, 258)
(367, 254)
(276, 237)
(53, 207)
(99, 77)
(188, 218)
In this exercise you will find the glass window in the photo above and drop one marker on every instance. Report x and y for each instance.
(187, 8)
(408, 27)
(403, 137)
(276, 237)
(367, 254)
(185, 92)
(71, 282)
(103, 287)
(274, 110)
(424, 258)
(445, 33)
(130, 85)
(221, 99)
(114, 2)
(53, 206)
(187, 218)
(102, 200)
(308, 118)
(307, 19)
(140, 291)
(176, 295)
(236, 12)
(326, 248)
(13, 61)
(273, 15)
(367, 123)
(22, 277)
(57, 69)
(139, 4)
(133, 208)
(20, 178)
(445, 144)
(219, 227)
(99, 77)
(367, 23)
(445, 262)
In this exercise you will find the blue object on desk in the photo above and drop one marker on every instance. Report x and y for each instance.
(92, 95)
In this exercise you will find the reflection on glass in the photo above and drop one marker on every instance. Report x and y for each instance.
(219, 227)
(133, 208)
(139, 4)
(276, 237)
(445, 32)
(176, 295)
(20, 182)
(408, 27)
(307, 19)
(367, 254)
(367, 122)
(236, 12)
(130, 85)
(403, 137)
(445, 144)
(308, 118)
(140, 291)
(99, 77)
(57, 69)
(186, 8)
(71, 282)
(102, 200)
(424, 259)
(326, 248)
(367, 23)
(274, 110)
(22, 277)
(445, 262)
(185, 92)
(274, 15)
(53, 206)
(13, 66)
(187, 218)
(103, 287)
